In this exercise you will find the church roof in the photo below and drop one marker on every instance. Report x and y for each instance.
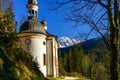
(32, 25)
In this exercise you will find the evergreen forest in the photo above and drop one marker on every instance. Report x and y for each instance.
(93, 64)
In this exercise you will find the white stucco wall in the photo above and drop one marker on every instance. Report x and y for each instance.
(36, 48)
(52, 57)
(49, 58)
(55, 57)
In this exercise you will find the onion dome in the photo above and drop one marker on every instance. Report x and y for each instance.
(32, 26)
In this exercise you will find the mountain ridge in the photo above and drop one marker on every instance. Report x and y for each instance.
(67, 41)
(86, 45)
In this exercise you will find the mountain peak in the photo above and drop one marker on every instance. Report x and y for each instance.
(67, 41)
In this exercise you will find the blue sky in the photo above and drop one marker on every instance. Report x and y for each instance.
(55, 21)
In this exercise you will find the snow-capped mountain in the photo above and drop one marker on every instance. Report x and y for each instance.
(86, 45)
(67, 41)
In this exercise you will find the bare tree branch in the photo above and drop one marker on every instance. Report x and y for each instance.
(102, 4)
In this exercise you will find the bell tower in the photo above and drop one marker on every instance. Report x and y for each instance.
(32, 7)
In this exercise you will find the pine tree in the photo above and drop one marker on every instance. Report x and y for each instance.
(65, 61)
(92, 62)
(62, 64)
(75, 58)
(7, 33)
(81, 54)
(85, 65)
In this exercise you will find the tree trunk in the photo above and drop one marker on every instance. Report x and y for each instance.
(113, 65)
(114, 31)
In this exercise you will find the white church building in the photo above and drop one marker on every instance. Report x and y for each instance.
(35, 40)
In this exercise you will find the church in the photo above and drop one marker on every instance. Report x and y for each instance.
(35, 40)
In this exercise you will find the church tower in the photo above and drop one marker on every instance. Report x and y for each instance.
(32, 7)
(36, 41)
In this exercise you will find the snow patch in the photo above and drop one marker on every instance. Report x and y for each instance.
(67, 41)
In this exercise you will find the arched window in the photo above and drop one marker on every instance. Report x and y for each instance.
(29, 13)
(44, 59)
(44, 43)
(32, 13)
(36, 15)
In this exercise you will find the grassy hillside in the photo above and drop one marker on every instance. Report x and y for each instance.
(17, 65)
